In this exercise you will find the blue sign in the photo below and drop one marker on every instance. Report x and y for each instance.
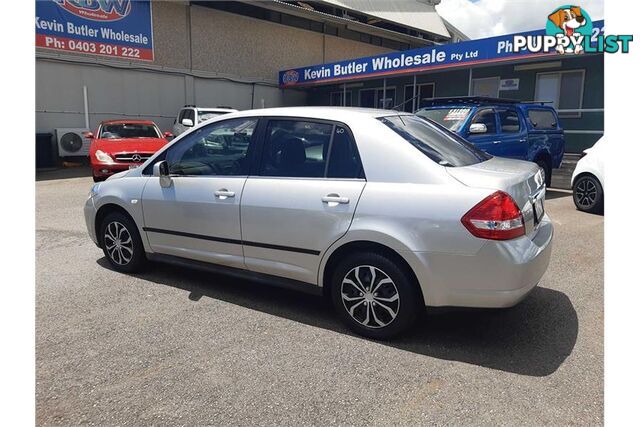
(490, 50)
(116, 28)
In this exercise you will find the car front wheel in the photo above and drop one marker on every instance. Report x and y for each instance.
(374, 296)
(588, 195)
(121, 243)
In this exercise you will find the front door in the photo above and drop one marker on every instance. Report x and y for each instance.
(302, 197)
(488, 141)
(198, 216)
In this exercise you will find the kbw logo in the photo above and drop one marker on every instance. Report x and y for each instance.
(97, 10)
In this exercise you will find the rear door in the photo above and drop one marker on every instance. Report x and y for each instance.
(301, 198)
(512, 133)
(489, 141)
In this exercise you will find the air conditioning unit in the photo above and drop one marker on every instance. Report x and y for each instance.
(72, 142)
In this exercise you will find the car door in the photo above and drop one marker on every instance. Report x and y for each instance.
(513, 133)
(198, 215)
(301, 198)
(488, 141)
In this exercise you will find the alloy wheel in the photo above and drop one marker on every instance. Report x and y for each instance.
(586, 193)
(118, 243)
(370, 296)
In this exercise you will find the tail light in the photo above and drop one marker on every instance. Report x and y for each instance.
(497, 217)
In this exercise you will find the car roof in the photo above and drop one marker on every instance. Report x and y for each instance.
(329, 113)
(124, 121)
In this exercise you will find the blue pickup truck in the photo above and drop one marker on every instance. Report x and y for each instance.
(503, 127)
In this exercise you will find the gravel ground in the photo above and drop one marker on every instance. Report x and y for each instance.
(178, 347)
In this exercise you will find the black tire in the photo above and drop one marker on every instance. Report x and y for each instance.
(546, 168)
(406, 307)
(124, 257)
(588, 195)
(97, 178)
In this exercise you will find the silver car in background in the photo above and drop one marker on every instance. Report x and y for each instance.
(384, 212)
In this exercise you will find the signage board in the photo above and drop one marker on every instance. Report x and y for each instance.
(115, 28)
(472, 52)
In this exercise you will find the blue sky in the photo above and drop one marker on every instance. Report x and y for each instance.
(486, 18)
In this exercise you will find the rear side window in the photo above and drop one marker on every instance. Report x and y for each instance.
(509, 121)
(305, 149)
(543, 119)
(436, 142)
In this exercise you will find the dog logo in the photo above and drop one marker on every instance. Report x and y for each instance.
(569, 23)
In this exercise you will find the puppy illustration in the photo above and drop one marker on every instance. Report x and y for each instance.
(568, 20)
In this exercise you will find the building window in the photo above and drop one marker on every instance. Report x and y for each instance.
(378, 98)
(485, 87)
(563, 89)
(336, 99)
(424, 92)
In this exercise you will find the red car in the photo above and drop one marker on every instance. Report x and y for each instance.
(123, 144)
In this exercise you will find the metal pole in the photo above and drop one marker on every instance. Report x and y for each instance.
(413, 103)
(470, 82)
(384, 92)
(86, 107)
(344, 94)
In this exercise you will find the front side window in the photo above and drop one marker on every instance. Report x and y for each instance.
(189, 114)
(304, 149)
(218, 149)
(440, 145)
(486, 117)
(128, 131)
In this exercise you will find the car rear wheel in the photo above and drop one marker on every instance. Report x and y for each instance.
(374, 296)
(121, 243)
(588, 195)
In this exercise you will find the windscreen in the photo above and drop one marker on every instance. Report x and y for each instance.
(440, 145)
(206, 115)
(451, 118)
(128, 130)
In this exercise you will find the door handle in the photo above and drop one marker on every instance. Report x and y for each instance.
(223, 193)
(497, 142)
(523, 139)
(334, 199)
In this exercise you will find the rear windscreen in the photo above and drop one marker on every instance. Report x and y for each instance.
(440, 145)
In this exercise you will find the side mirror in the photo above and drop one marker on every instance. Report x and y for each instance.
(88, 135)
(187, 122)
(168, 135)
(478, 128)
(161, 170)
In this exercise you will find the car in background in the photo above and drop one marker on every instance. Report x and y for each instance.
(191, 116)
(119, 145)
(587, 181)
(382, 211)
(504, 128)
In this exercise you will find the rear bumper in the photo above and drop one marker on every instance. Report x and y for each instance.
(501, 274)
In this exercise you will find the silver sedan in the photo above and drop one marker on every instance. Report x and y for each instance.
(383, 212)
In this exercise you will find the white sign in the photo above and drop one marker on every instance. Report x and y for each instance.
(509, 84)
